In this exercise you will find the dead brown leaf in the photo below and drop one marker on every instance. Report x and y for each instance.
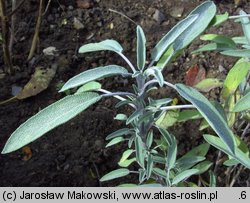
(39, 81)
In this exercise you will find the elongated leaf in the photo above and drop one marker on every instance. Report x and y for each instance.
(240, 40)
(160, 172)
(238, 155)
(127, 162)
(237, 53)
(212, 179)
(200, 151)
(156, 72)
(147, 117)
(139, 151)
(150, 165)
(115, 174)
(184, 175)
(245, 22)
(124, 161)
(166, 136)
(150, 139)
(133, 116)
(142, 175)
(219, 39)
(208, 84)
(115, 141)
(110, 45)
(235, 76)
(168, 57)
(150, 185)
(159, 159)
(49, 118)
(122, 103)
(205, 12)
(212, 47)
(209, 112)
(168, 119)
(118, 133)
(188, 162)
(94, 74)
(126, 155)
(187, 115)
(218, 19)
(127, 185)
(169, 38)
(121, 117)
(202, 167)
(230, 162)
(172, 153)
(141, 48)
(243, 104)
(159, 102)
(89, 87)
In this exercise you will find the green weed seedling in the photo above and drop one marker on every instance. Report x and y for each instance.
(158, 164)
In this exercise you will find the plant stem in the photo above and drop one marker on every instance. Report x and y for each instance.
(128, 62)
(245, 131)
(36, 35)
(155, 81)
(170, 85)
(238, 16)
(177, 107)
(118, 93)
(12, 29)
(116, 96)
(5, 41)
(235, 177)
(114, 11)
(17, 7)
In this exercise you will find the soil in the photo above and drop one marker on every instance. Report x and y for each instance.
(74, 154)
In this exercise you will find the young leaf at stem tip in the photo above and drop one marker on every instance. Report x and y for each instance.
(141, 48)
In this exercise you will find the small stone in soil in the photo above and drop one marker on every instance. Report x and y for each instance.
(177, 12)
(159, 16)
(77, 24)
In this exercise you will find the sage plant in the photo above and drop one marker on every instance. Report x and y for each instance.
(156, 158)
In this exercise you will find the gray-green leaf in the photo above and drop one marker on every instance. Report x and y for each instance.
(93, 74)
(93, 85)
(205, 12)
(115, 141)
(115, 174)
(245, 22)
(184, 175)
(238, 155)
(169, 38)
(49, 118)
(118, 133)
(209, 112)
(141, 48)
(243, 104)
(139, 151)
(109, 45)
(156, 72)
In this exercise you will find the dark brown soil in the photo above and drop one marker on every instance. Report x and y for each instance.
(74, 154)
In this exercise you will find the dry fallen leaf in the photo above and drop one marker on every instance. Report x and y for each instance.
(27, 153)
(194, 75)
(39, 81)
